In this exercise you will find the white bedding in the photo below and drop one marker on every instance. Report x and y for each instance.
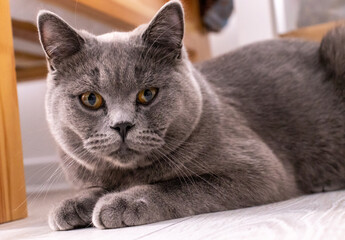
(317, 216)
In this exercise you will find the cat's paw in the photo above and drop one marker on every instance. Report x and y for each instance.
(75, 212)
(121, 210)
(70, 214)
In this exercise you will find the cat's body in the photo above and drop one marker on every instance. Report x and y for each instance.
(290, 103)
(261, 124)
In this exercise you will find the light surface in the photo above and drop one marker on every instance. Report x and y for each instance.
(317, 216)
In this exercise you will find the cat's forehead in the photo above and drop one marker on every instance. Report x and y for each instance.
(121, 64)
(117, 61)
(121, 36)
(121, 48)
(114, 37)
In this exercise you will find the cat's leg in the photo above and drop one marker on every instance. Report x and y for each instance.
(75, 212)
(173, 199)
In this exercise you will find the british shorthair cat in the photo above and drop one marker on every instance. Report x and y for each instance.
(147, 136)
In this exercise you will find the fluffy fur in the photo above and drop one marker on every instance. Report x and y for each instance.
(261, 124)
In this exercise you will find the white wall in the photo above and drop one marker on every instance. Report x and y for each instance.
(286, 14)
(251, 21)
(37, 141)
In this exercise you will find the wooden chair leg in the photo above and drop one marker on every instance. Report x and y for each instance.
(12, 182)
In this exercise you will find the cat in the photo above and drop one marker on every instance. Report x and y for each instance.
(147, 136)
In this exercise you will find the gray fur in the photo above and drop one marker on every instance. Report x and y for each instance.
(258, 125)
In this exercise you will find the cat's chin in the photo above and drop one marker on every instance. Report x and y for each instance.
(127, 158)
(124, 153)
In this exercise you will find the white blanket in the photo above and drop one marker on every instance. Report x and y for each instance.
(317, 216)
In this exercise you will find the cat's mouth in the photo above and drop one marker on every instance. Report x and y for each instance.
(123, 152)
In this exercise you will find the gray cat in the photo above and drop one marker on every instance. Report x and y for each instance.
(146, 136)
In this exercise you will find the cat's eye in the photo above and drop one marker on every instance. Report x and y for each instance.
(146, 96)
(91, 100)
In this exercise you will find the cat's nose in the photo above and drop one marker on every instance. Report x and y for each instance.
(122, 128)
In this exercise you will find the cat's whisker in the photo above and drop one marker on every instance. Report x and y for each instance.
(197, 164)
(31, 195)
(177, 169)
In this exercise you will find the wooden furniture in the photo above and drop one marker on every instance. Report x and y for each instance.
(312, 33)
(123, 16)
(12, 184)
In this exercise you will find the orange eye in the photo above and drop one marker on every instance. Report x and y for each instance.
(145, 96)
(92, 100)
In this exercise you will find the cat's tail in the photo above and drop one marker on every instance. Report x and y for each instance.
(332, 53)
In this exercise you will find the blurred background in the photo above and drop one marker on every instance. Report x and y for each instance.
(213, 27)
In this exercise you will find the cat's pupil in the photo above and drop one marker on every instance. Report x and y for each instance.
(148, 94)
(92, 99)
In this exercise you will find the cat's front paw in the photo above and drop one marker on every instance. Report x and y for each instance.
(121, 210)
(75, 212)
(70, 214)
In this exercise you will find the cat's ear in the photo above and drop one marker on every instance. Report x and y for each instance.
(167, 28)
(58, 39)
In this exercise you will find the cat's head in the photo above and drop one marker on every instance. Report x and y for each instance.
(120, 99)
